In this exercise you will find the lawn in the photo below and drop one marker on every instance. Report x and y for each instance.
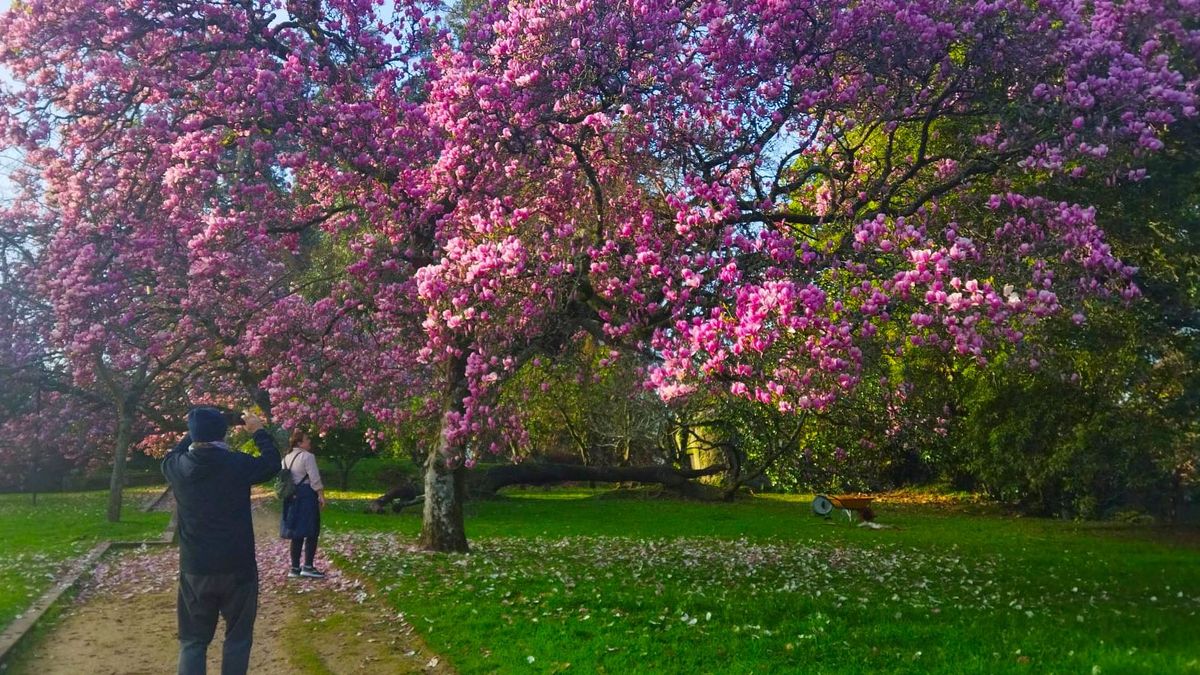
(580, 581)
(37, 541)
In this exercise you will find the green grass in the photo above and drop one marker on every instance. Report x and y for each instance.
(641, 585)
(35, 541)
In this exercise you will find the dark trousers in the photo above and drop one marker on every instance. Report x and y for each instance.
(309, 544)
(201, 598)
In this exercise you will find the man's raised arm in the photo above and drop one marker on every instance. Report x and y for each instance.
(168, 462)
(266, 466)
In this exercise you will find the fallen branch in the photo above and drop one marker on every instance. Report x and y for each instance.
(405, 492)
(397, 507)
(539, 473)
(535, 473)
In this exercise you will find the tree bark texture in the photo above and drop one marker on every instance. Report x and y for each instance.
(442, 527)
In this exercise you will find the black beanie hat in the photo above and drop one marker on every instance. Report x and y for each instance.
(206, 425)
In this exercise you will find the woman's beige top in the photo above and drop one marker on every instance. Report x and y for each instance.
(302, 462)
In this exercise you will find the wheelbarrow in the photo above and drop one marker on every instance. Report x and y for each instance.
(823, 505)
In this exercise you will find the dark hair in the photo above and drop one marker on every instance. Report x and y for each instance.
(298, 437)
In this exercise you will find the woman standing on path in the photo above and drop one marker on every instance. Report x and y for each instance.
(301, 520)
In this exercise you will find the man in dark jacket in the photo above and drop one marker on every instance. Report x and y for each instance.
(218, 572)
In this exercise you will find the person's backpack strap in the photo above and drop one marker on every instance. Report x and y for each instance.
(302, 480)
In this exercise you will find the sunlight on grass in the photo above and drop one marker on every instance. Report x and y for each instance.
(360, 495)
(788, 499)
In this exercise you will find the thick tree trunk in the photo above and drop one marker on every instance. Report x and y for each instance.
(442, 528)
(116, 484)
(533, 473)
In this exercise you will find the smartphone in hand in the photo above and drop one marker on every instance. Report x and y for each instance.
(252, 421)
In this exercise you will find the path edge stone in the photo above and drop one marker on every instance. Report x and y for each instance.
(19, 628)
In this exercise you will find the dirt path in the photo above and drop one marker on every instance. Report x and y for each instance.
(123, 622)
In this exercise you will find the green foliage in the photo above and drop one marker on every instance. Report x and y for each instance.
(1055, 448)
(890, 431)
(588, 406)
(374, 475)
(345, 448)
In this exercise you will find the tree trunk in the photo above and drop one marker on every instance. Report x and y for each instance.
(532, 473)
(781, 448)
(442, 528)
(31, 481)
(116, 484)
(344, 469)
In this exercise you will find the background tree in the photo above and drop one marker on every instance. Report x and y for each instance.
(1122, 432)
(346, 448)
(46, 424)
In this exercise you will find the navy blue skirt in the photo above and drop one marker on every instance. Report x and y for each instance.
(301, 514)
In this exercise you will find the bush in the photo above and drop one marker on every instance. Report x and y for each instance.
(394, 473)
(1050, 448)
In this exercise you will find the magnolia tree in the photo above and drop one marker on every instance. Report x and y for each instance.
(87, 354)
(753, 191)
(165, 228)
(42, 419)
(362, 213)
